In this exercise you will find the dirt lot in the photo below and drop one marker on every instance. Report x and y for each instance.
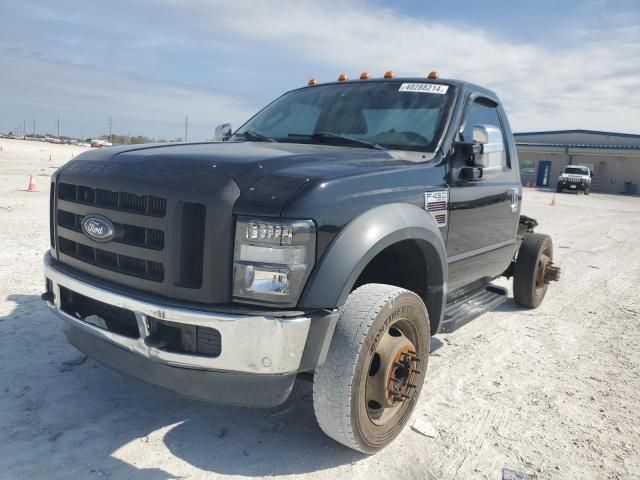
(553, 392)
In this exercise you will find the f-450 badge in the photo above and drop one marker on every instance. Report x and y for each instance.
(437, 203)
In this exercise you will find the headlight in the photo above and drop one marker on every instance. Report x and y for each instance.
(272, 260)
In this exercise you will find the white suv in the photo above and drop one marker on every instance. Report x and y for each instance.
(576, 178)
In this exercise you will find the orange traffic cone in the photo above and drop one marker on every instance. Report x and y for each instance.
(553, 201)
(32, 184)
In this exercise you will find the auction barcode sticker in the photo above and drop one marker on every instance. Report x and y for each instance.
(424, 88)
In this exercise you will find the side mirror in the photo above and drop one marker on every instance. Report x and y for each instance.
(491, 142)
(223, 132)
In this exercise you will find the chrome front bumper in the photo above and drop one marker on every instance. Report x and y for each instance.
(258, 345)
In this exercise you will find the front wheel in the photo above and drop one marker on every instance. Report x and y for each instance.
(365, 392)
(558, 188)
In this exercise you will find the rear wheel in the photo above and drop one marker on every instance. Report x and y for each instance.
(366, 390)
(533, 270)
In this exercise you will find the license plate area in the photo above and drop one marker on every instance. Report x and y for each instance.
(101, 315)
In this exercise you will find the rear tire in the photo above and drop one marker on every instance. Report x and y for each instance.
(365, 392)
(558, 188)
(529, 287)
(587, 190)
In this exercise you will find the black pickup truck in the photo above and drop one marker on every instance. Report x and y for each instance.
(331, 235)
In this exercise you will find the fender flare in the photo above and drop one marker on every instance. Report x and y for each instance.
(365, 237)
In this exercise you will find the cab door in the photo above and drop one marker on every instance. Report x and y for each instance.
(484, 206)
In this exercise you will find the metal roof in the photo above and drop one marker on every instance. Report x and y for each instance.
(579, 139)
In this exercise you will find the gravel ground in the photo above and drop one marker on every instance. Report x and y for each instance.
(553, 393)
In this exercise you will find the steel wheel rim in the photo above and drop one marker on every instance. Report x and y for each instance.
(393, 370)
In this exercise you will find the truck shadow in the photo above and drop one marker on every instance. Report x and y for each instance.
(59, 408)
(510, 306)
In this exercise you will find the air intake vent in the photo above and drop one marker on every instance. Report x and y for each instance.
(136, 267)
(52, 223)
(192, 244)
(128, 202)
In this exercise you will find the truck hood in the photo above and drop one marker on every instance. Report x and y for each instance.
(267, 174)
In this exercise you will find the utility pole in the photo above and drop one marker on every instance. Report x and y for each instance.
(186, 127)
(34, 127)
(58, 127)
(24, 128)
(110, 125)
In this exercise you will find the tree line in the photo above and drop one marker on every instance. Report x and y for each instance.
(135, 140)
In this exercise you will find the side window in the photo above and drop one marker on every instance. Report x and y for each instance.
(482, 112)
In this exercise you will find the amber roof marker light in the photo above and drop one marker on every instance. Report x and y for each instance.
(388, 74)
(433, 75)
(312, 82)
(343, 77)
(364, 76)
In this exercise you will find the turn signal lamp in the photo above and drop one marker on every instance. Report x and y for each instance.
(343, 77)
(433, 75)
(388, 74)
(364, 76)
(312, 82)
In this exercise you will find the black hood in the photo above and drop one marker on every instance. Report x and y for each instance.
(267, 174)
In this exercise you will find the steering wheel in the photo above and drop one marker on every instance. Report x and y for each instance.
(415, 137)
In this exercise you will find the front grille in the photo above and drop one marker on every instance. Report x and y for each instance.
(137, 267)
(99, 314)
(127, 234)
(162, 242)
(125, 201)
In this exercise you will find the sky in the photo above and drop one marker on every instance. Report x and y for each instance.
(146, 64)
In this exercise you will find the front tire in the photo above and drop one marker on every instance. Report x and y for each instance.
(558, 188)
(365, 392)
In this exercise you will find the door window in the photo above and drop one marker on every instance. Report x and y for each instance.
(482, 112)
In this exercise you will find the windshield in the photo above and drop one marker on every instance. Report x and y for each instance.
(394, 115)
(576, 171)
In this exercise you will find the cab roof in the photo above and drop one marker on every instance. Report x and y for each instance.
(460, 85)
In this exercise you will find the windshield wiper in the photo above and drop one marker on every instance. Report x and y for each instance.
(255, 136)
(342, 138)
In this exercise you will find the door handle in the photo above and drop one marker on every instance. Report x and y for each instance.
(514, 199)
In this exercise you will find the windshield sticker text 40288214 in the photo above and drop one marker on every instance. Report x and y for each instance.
(424, 88)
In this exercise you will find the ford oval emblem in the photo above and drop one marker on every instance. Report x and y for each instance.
(97, 228)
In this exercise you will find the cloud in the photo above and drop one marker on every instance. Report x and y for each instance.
(85, 98)
(220, 61)
(588, 80)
